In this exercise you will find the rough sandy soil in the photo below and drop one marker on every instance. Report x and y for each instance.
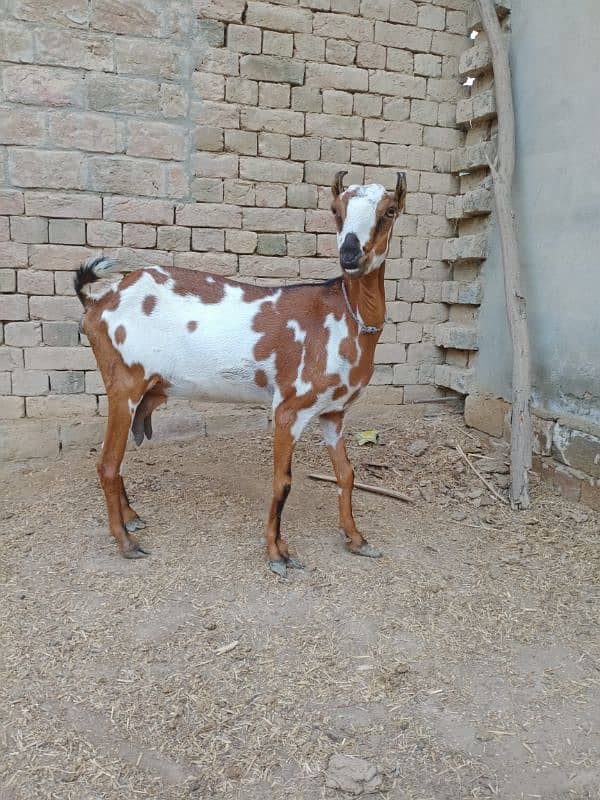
(464, 664)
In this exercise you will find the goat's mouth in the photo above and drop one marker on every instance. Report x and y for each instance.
(354, 268)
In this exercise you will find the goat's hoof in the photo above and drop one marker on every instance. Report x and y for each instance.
(366, 550)
(135, 551)
(279, 568)
(293, 563)
(135, 524)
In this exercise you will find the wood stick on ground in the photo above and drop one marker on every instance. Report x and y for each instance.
(516, 304)
(365, 487)
(488, 485)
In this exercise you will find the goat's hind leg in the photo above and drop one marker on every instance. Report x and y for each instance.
(109, 466)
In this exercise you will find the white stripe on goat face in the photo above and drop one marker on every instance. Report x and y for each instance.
(361, 212)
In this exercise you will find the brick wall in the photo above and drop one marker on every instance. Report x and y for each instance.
(205, 134)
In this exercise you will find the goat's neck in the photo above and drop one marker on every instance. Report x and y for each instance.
(367, 296)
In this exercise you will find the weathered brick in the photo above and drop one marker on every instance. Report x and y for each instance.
(31, 230)
(330, 76)
(309, 47)
(448, 44)
(13, 307)
(302, 195)
(242, 193)
(137, 235)
(273, 95)
(60, 334)
(54, 204)
(399, 61)
(16, 42)
(43, 86)
(404, 11)
(392, 353)
(50, 358)
(8, 281)
(367, 105)
(55, 308)
(54, 169)
(273, 120)
(67, 382)
(11, 201)
(301, 244)
(211, 32)
(68, 48)
(122, 95)
(207, 190)
(219, 263)
(335, 102)
(27, 383)
(244, 38)
(267, 267)
(342, 26)
(241, 90)
(22, 126)
(370, 55)
(403, 36)
(225, 10)
(322, 172)
(219, 60)
(338, 52)
(60, 405)
(396, 132)
(307, 98)
(213, 165)
(35, 282)
(83, 131)
(156, 140)
(334, 125)
(273, 145)
(242, 142)
(11, 407)
(149, 58)
(271, 68)
(271, 244)
(94, 383)
(138, 17)
(268, 219)
(319, 268)
(278, 44)
(11, 358)
(5, 383)
(399, 85)
(209, 215)
(28, 439)
(208, 240)
(23, 334)
(279, 18)
(174, 237)
(241, 241)
(67, 231)
(126, 175)
(365, 153)
(134, 209)
(375, 9)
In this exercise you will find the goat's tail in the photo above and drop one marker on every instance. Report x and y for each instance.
(92, 270)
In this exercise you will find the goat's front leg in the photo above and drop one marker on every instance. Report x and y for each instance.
(283, 450)
(332, 428)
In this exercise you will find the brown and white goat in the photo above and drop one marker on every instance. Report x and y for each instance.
(306, 349)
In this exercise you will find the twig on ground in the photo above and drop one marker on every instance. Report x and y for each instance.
(487, 484)
(365, 487)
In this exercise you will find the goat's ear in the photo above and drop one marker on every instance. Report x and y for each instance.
(337, 187)
(400, 193)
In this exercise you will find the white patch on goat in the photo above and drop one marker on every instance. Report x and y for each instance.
(329, 429)
(361, 212)
(300, 385)
(217, 362)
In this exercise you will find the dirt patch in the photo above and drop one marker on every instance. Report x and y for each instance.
(464, 664)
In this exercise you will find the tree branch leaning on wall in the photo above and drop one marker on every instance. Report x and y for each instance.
(516, 306)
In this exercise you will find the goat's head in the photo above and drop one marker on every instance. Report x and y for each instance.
(364, 217)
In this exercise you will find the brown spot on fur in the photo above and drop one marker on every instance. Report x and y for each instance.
(348, 349)
(120, 334)
(149, 304)
(339, 392)
(260, 378)
(157, 275)
(192, 325)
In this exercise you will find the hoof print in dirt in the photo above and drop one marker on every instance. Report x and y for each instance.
(352, 774)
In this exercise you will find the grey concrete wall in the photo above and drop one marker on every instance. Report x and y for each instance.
(556, 79)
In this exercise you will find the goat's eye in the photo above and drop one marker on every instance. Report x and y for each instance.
(391, 212)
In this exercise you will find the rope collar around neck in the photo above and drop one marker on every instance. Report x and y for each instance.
(362, 328)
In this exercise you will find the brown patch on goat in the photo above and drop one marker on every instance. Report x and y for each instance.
(192, 325)
(149, 304)
(120, 334)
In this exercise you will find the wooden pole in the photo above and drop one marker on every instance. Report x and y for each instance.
(516, 306)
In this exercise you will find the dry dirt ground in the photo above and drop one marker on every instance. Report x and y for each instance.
(464, 664)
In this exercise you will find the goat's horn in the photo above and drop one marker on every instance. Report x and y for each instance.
(337, 187)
